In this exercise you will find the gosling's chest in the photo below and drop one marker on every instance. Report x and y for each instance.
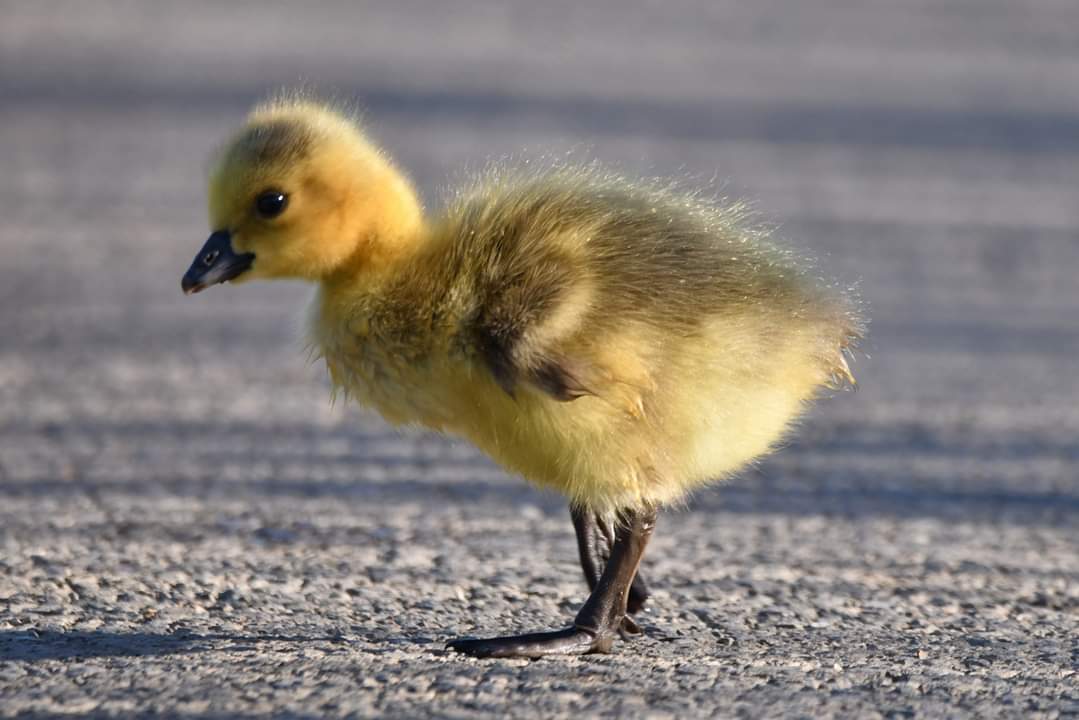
(377, 360)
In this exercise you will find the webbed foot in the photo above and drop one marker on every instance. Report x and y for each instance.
(571, 641)
(603, 617)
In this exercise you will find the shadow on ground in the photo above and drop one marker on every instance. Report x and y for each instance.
(36, 645)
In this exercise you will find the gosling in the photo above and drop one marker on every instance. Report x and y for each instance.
(621, 342)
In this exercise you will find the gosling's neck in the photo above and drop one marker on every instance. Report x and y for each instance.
(390, 232)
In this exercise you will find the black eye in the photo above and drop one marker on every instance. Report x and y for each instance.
(270, 204)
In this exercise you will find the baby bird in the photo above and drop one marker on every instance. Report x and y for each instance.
(620, 342)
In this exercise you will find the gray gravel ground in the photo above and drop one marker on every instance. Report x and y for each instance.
(187, 528)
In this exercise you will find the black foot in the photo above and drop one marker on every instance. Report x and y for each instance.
(571, 641)
(616, 589)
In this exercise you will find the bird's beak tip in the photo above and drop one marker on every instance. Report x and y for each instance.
(217, 262)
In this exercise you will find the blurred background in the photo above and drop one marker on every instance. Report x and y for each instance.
(182, 447)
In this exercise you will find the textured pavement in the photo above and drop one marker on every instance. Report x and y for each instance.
(188, 528)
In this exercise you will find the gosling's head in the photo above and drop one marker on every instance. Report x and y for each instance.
(299, 192)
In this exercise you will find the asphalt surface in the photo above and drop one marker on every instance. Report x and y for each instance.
(187, 528)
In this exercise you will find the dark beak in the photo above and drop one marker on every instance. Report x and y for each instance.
(215, 263)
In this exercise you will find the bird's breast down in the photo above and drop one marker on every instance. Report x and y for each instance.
(404, 383)
(429, 382)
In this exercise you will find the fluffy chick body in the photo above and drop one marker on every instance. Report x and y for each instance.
(617, 342)
(620, 342)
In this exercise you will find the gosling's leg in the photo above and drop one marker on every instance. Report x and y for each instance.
(595, 536)
(599, 621)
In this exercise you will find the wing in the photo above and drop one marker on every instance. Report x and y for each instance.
(526, 309)
(550, 264)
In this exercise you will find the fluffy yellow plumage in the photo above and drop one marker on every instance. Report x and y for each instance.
(620, 342)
